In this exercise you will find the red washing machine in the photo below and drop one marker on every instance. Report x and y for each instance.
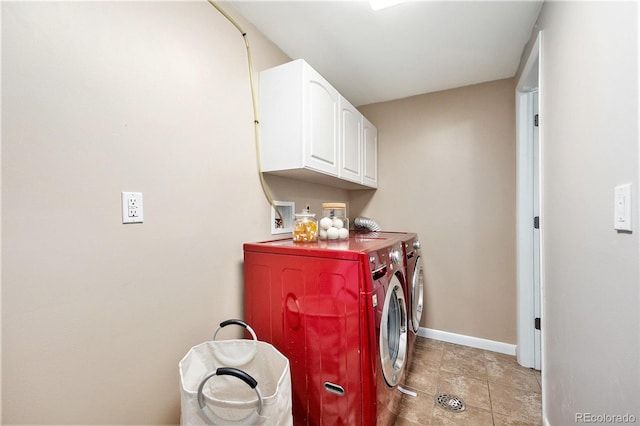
(415, 286)
(338, 311)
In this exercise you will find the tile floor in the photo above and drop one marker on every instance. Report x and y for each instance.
(496, 390)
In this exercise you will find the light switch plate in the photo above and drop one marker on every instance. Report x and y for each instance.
(622, 208)
(132, 207)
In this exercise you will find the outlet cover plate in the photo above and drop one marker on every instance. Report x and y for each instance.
(132, 208)
(622, 208)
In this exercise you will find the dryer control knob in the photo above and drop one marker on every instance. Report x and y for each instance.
(416, 245)
(395, 256)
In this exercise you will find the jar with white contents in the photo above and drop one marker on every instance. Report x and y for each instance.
(334, 224)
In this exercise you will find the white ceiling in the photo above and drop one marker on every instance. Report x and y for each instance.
(408, 49)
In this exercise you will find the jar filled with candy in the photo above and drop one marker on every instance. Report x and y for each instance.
(305, 227)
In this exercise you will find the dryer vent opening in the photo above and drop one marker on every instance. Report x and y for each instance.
(450, 403)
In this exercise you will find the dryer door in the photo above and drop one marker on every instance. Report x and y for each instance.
(393, 332)
(417, 294)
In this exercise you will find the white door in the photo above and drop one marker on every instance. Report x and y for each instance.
(530, 225)
(351, 142)
(321, 142)
(536, 233)
(370, 145)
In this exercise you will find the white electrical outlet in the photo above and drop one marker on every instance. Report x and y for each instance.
(622, 208)
(132, 207)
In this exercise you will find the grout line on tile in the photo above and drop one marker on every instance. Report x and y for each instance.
(493, 419)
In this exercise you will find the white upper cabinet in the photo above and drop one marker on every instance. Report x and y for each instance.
(310, 132)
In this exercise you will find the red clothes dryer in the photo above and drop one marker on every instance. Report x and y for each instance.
(338, 312)
(415, 286)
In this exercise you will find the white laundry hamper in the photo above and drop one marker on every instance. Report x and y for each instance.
(235, 382)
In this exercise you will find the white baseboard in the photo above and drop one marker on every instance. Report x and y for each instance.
(474, 342)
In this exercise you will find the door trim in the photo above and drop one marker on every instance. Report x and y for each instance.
(528, 83)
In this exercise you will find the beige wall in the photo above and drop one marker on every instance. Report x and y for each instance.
(589, 118)
(447, 172)
(99, 98)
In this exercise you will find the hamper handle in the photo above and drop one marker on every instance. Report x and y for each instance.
(245, 377)
(235, 322)
(230, 371)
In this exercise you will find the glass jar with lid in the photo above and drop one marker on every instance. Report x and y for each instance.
(334, 224)
(305, 227)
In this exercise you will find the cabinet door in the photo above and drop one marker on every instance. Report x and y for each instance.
(350, 142)
(321, 124)
(370, 135)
